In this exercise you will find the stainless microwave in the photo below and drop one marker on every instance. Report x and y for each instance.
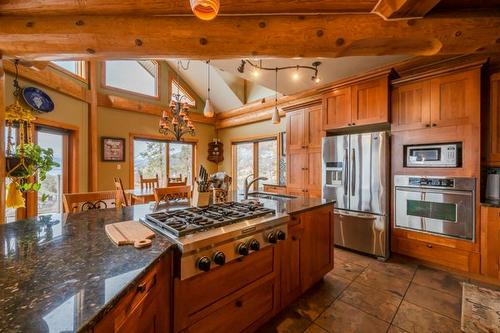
(443, 155)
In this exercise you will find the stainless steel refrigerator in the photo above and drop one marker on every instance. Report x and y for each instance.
(356, 173)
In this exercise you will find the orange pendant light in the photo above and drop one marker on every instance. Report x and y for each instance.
(205, 9)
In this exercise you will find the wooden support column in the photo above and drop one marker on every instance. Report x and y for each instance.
(2, 143)
(93, 139)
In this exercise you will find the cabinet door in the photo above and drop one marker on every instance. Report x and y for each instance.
(313, 127)
(490, 238)
(313, 170)
(493, 156)
(316, 248)
(295, 134)
(290, 265)
(370, 102)
(337, 109)
(296, 168)
(411, 108)
(455, 99)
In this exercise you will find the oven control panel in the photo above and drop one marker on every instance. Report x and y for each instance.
(435, 182)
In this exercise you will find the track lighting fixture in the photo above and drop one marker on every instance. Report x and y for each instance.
(241, 67)
(258, 67)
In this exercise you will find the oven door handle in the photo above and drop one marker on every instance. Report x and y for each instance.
(431, 190)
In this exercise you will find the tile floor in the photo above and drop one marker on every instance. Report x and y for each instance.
(362, 294)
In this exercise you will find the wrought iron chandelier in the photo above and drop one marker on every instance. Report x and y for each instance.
(176, 121)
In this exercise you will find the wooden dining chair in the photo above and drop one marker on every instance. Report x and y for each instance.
(172, 193)
(177, 182)
(121, 196)
(79, 202)
(149, 183)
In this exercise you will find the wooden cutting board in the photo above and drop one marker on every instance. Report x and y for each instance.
(130, 232)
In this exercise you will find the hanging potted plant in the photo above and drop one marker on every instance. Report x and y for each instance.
(27, 168)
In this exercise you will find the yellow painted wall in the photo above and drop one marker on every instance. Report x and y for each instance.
(118, 123)
(242, 132)
(67, 110)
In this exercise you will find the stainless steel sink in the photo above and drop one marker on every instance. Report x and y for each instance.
(271, 196)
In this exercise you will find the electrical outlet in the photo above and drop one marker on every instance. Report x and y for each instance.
(118, 167)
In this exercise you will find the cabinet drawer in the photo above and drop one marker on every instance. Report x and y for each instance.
(194, 294)
(235, 314)
(275, 189)
(442, 255)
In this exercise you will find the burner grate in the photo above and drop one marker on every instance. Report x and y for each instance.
(187, 221)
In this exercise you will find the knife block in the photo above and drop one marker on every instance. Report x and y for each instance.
(200, 199)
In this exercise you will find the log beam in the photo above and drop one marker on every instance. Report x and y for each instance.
(180, 7)
(118, 37)
(404, 9)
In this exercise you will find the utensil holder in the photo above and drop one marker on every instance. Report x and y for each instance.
(200, 199)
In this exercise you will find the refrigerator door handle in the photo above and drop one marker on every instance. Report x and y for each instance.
(353, 172)
(344, 172)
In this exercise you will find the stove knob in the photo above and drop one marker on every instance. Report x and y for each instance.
(242, 249)
(204, 264)
(254, 245)
(271, 238)
(219, 258)
(281, 235)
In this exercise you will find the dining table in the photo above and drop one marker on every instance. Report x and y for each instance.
(138, 195)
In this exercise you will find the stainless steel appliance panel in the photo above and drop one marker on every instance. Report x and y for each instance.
(335, 170)
(362, 232)
(436, 205)
(368, 172)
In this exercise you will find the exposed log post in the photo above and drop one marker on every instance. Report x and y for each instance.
(2, 143)
(404, 9)
(93, 139)
(118, 37)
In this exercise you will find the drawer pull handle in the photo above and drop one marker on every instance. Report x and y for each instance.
(141, 288)
(239, 303)
(429, 246)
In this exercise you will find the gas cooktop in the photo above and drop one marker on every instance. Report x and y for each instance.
(192, 220)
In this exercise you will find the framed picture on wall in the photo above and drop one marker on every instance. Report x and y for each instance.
(113, 149)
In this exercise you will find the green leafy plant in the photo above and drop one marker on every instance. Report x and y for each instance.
(35, 159)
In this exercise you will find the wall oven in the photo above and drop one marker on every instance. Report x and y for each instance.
(438, 205)
(445, 155)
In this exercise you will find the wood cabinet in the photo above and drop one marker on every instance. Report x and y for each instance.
(307, 252)
(446, 100)
(276, 189)
(493, 123)
(490, 240)
(304, 135)
(363, 103)
(146, 308)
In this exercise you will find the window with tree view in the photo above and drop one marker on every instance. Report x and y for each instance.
(162, 158)
(259, 158)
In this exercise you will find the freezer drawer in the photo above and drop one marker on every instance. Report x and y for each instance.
(363, 232)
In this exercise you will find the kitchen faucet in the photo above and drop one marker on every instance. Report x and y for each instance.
(247, 184)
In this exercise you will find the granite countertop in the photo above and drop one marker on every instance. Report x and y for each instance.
(61, 272)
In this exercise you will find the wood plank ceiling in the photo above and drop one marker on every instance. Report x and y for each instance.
(112, 29)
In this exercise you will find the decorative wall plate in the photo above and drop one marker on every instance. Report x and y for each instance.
(37, 99)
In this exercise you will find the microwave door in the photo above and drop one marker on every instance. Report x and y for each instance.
(335, 170)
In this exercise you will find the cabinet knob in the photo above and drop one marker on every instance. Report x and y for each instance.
(434, 125)
(239, 304)
(427, 125)
(141, 288)
(353, 124)
(429, 246)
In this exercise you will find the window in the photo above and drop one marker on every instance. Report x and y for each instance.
(259, 158)
(140, 77)
(179, 92)
(77, 68)
(162, 158)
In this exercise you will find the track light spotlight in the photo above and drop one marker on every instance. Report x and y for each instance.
(241, 67)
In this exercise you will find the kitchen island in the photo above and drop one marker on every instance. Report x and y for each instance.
(62, 273)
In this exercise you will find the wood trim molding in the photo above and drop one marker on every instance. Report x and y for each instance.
(2, 142)
(126, 104)
(93, 127)
(129, 92)
(51, 80)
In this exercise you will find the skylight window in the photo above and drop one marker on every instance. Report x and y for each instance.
(140, 77)
(74, 67)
